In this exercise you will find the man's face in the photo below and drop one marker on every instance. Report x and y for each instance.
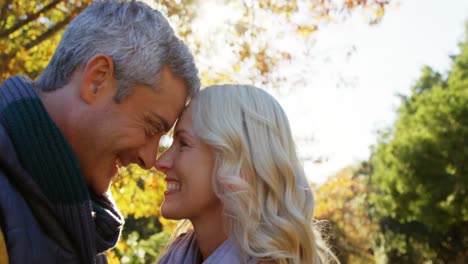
(112, 134)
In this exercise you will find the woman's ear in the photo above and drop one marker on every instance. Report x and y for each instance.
(98, 76)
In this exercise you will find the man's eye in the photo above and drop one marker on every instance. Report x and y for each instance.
(154, 131)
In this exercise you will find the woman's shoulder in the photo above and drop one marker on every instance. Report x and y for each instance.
(183, 249)
(229, 253)
(183, 238)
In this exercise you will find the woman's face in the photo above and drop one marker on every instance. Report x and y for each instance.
(188, 165)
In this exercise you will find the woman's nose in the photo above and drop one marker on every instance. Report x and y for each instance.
(164, 162)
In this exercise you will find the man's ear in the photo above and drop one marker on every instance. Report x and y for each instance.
(98, 76)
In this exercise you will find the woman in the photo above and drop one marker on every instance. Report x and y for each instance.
(233, 173)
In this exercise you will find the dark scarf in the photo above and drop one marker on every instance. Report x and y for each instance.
(53, 184)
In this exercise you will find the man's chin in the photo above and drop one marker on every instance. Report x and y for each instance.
(100, 188)
(100, 191)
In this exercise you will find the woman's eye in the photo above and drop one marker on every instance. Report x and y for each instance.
(183, 144)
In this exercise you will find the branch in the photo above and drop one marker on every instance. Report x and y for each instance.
(3, 12)
(54, 29)
(28, 19)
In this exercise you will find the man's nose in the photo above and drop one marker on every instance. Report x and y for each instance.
(147, 154)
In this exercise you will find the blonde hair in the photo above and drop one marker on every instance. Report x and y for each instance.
(268, 203)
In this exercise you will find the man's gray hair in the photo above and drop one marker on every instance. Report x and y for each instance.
(138, 38)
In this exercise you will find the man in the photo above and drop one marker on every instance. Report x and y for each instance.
(117, 82)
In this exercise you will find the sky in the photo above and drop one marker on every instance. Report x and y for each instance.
(342, 121)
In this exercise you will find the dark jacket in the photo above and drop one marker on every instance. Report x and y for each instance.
(27, 240)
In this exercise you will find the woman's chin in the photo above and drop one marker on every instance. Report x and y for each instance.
(169, 213)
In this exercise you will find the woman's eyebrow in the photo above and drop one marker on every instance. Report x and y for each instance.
(183, 131)
(180, 131)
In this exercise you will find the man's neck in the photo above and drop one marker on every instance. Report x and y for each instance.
(58, 104)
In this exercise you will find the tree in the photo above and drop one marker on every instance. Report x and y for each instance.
(343, 202)
(420, 169)
(247, 36)
(30, 31)
(250, 35)
(139, 195)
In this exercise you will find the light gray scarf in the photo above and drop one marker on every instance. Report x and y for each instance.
(185, 250)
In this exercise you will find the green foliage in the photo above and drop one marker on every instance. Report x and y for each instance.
(420, 169)
(139, 194)
(142, 250)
